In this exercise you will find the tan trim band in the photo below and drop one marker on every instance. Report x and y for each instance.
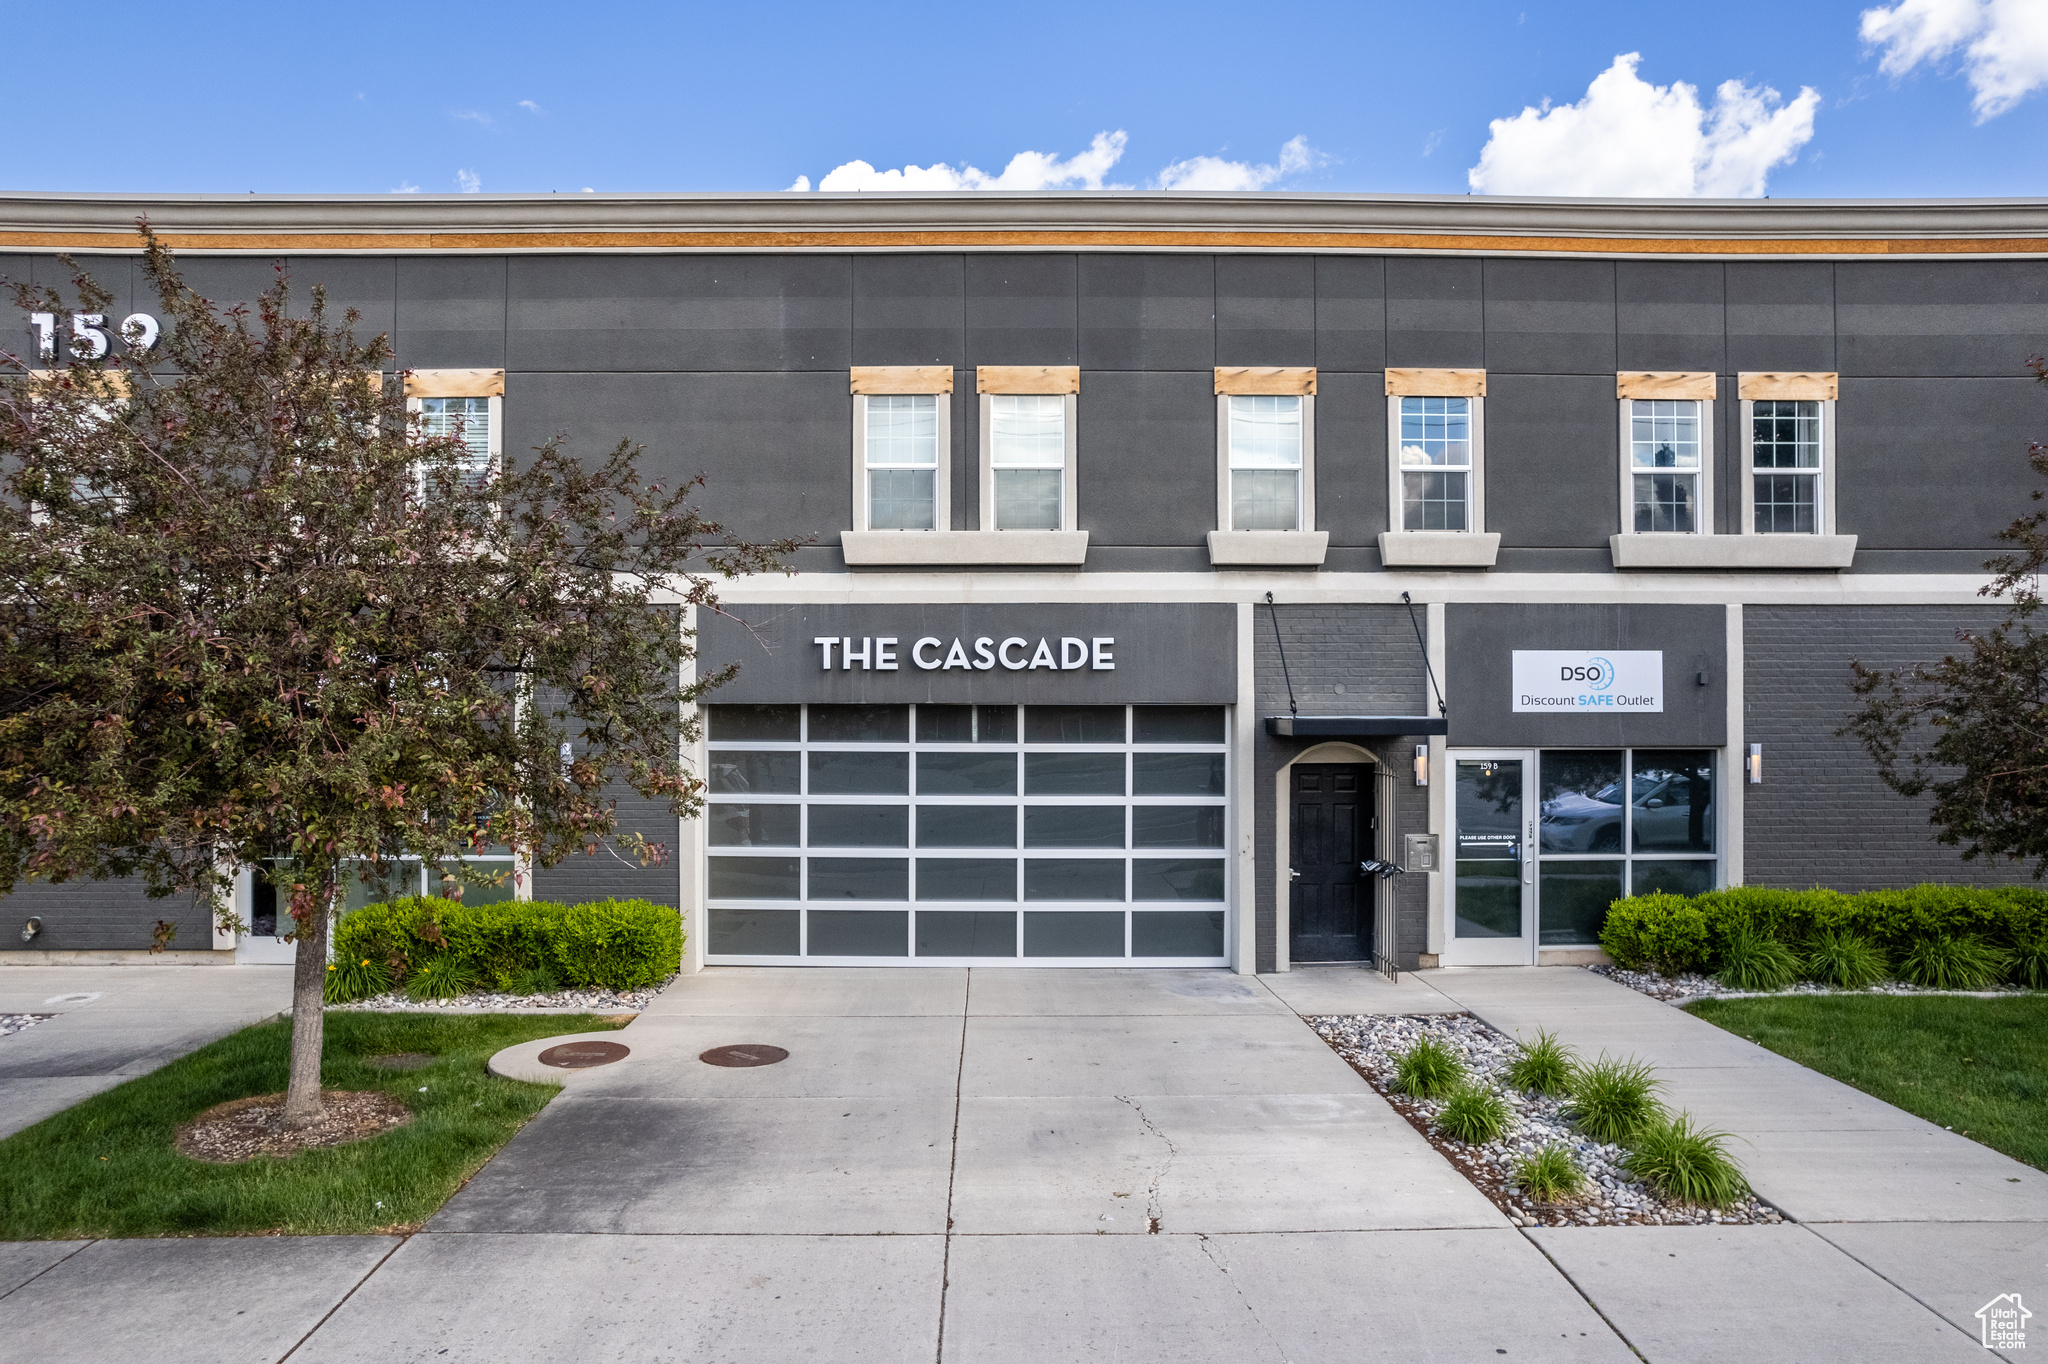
(901, 379)
(1272, 379)
(455, 383)
(1061, 240)
(1043, 379)
(1664, 384)
(1436, 383)
(1791, 387)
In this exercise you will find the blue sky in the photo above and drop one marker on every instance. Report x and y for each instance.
(374, 97)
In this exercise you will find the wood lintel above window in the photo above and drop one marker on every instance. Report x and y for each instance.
(1807, 387)
(1027, 379)
(1436, 383)
(901, 379)
(1242, 380)
(1664, 384)
(455, 383)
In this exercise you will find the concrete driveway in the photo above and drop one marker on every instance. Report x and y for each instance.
(1004, 1165)
(111, 1023)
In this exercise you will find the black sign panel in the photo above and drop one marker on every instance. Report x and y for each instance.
(1032, 652)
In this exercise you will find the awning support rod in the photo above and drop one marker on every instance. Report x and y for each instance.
(1441, 708)
(1282, 644)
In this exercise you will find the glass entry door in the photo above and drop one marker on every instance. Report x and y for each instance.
(1493, 891)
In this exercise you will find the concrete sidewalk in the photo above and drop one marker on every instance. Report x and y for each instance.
(112, 1023)
(1053, 1165)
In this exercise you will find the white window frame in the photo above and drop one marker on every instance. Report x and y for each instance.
(1070, 410)
(494, 414)
(1703, 513)
(1475, 481)
(942, 479)
(1305, 518)
(1824, 518)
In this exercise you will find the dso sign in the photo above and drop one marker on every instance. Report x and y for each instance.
(1573, 680)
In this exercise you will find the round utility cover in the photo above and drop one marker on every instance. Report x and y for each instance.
(583, 1055)
(746, 1054)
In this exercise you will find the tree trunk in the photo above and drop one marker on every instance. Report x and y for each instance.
(302, 1104)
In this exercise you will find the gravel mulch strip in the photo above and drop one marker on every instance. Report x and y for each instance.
(560, 1002)
(1685, 988)
(242, 1129)
(13, 1023)
(1374, 1043)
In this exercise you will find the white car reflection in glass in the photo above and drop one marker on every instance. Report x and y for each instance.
(1575, 821)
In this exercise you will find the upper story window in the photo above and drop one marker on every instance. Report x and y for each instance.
(1436, 463)
(1265, 463)
(1667, 447)
(1788, 423)
(1433, 429)
(1027, 425)
(903, 461)
(467, 404)
(901, 423)
(1266, 439)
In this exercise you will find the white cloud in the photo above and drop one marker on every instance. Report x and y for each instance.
(2004, 44)
(406, 187)
(469, 181)
(801, 186)
(1027, 170)
(1214, 173)
(482, 120)
(531, 107)
(1629, 137)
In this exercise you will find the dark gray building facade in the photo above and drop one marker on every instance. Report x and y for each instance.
(1168, 556)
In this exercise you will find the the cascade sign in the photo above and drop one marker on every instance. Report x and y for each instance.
(1601, 682)
(882, 653)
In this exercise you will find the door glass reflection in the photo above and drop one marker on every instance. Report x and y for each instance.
(1673, 796)
(1489, 851)
(1582, 801)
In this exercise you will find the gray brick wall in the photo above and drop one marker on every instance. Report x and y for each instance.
(612, 874)
(1822, 817)
(1370, 652)
(101, 916)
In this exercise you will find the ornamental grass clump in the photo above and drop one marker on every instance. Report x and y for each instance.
(443, 977)
(1549, 1174)
(1543, 1067)
(1473, 1114)
(2030, 964)
(1611, 1100)
(1952, 963)
(1686, 1162)
(1428, 1070)
(533, 980)
(351, 979)
(1752, 960)
(1847, 961)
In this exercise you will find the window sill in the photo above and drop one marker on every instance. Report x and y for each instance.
(1283, 548)
(943, 548)
(1438, 549)
(1733, 551)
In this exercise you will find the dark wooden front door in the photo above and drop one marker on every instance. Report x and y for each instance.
(1330, 900)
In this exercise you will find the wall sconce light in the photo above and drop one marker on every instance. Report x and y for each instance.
(1422, 764)
(31, 929)
(1756, 764)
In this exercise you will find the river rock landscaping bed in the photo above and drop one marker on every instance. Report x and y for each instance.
(1687, 987)
(13, 1023)
(571, 1001)
(1374, 1044)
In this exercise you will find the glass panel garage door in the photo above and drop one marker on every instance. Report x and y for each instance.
(1050, 835)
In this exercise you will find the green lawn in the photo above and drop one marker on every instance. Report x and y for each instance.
(105, 1167)
(1977, 1065)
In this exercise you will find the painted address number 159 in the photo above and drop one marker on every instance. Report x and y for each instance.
(89, 334)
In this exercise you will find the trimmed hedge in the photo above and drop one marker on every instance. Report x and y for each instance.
(614, 944)
(1673, 933)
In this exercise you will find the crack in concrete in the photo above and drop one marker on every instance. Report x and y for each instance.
(1209, 1254)
(1154, 1213)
